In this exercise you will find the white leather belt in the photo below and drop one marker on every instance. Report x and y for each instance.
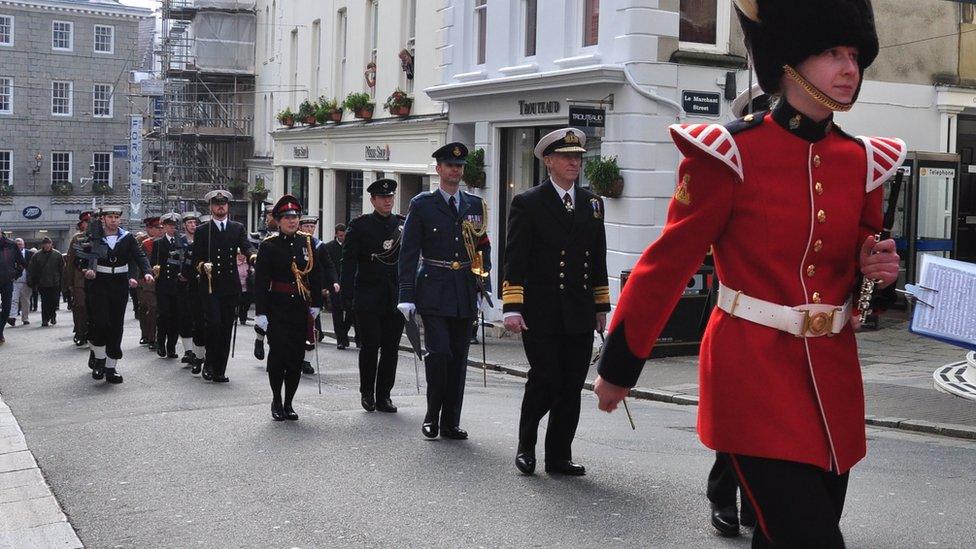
(807, 320)
(111, 270)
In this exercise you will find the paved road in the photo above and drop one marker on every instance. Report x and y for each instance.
(167, 460)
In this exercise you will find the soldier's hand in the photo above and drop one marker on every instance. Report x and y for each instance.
(89, 274)
(610, 395)
(133, 283)
(515, 323)
(336, 287)
(148, 278)
(879, 261)
(406, 309)
(181, 278)
(601, 322)
(313, 311)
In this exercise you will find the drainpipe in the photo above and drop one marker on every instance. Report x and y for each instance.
(651, 95)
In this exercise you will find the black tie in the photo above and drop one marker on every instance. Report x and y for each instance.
(453, 204)
(568, 201)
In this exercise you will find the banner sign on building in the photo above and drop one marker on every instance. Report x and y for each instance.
(120, 151)
(587, 117)
(135, 166)
(700, 103)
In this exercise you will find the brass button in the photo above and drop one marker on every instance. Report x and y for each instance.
(562, 263)
(586, 276)
(818, 187)
(563, 252)
(811, 270)
(561, 287)
(586, 264)
(587, 253)
(816, 297)
(816, 161)
(821, 216)
(562, 275)
(818, 245)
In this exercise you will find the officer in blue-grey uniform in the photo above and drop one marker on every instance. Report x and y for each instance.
(444, 290)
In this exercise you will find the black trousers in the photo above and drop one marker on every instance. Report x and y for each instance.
(287, 316)
(168, 320)
(342, 320)
(108, 295)
(558, 364)
(243, 306)
(797, 505)
(191, 316)
(722, 484)
(379, 337)
(219, 314)
(50, 297)
(134, 294)
(6, 293)
(447, 340)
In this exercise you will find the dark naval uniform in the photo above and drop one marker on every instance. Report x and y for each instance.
(167, 259)
(369, 282)
(287, 294)
(192, 329)
(445, 292)
(220, 289)
(109, 294)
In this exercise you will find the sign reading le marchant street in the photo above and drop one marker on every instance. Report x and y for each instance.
(701, 103)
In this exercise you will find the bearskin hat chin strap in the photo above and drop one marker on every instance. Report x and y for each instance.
(816, 94)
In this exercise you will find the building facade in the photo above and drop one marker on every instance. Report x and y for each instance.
(326, 50)
(64, 109)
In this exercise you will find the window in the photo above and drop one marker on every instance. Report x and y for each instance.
(61, 98)
(354, 195)
(104, 39)
(102, 101)
(6, 168)
(481, 26)
(60, 167)
(704, 25)
(340, 69)
(61, 35)
(313, 88)
(529, 8)
(591, 22)
(6, 95)
(372, 39)
(409, 44)
(293, 67)
(103, 168)
(6, 30)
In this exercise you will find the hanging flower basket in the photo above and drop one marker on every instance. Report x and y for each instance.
(62, 188)
(399, 103)
(604, 176)
(101, 187)
(474, 169)
(258, 195)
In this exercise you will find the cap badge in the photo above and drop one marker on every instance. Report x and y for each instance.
(388, 244)
(456, 152)
(571, 138)
(795, 122)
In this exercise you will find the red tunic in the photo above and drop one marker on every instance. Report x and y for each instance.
(786, 217)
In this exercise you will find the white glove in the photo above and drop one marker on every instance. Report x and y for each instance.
(262, 322)
(314, 311)
(406, 309)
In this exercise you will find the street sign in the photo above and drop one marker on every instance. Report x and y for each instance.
(700, 103)
(120, 151)
(135, 166)
(587, 117)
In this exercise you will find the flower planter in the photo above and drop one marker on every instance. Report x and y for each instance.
(336, 116)
(288, 122)
(478, 181)
(310, 120)
(400, 111)
(365, 113)
(258, 195)
(613, 190)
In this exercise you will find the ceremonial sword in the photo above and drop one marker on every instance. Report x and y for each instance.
(595, 359)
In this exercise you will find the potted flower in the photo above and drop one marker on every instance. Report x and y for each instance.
(474, 169)
(329, 109)
(237, 187)
(258, 192)
(286, 117)
(360, 105)
(101, 187)
(62, 188)
(6, 190)
(398, 103)
(306, 112)
(604, 176)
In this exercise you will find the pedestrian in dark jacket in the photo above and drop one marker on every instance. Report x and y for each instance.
(44, 276)
(11, 265)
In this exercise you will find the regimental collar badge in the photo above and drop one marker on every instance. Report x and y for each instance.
(681, 194)
(795, 122)
(597, 211)
(571, 138)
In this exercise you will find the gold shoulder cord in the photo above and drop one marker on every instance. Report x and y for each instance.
(301, 274)
(473, 232)
(816, 94)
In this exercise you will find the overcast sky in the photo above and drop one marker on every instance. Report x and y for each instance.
(151, 4)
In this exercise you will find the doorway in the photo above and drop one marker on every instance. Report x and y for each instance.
(966, 217)
(410, 185)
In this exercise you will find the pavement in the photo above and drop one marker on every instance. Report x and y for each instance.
(168, 460)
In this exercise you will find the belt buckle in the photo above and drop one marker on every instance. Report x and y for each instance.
(818, 324)
(455, 265)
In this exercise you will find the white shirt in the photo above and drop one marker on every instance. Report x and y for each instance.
(221, 224)
(111, 240)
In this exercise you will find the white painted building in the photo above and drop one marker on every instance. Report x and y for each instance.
(308, 49)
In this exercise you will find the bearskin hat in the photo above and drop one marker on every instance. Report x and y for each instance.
(785, 32)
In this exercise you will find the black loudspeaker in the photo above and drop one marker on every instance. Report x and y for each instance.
(683, 333)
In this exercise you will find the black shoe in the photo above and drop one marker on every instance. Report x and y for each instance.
(152, 345)
(290, 413)
(143, 341)
(221, 379)
(91, 360)
(454, 433)
(726, 520)
(277, 413)
(429, 429)
(207, 373)
(26, 322)
(747, 517)
(112, 376)
(12, 321)
(525, 462)
(161, 351)
(44, 324)
(307, 367)
(172, 354)
(197, 366)
(83, 341)
(386, 405)
(98, 370)
(188, 357)
(368, 403)
(54, 321)
(321, 337)
(342, 347)
(565, 467)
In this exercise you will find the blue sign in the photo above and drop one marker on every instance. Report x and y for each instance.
(32, 212)
(120, 151)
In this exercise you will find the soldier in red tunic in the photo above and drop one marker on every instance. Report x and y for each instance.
(791, 205)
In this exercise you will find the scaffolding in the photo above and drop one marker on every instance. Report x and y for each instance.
(200, 127)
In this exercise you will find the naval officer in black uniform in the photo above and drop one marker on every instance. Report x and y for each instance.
(192, 330)
(555, 292)
(215, 252)
(287, 299)
(444, 290)
(369, 268)
(110, 277)
(166, 260)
